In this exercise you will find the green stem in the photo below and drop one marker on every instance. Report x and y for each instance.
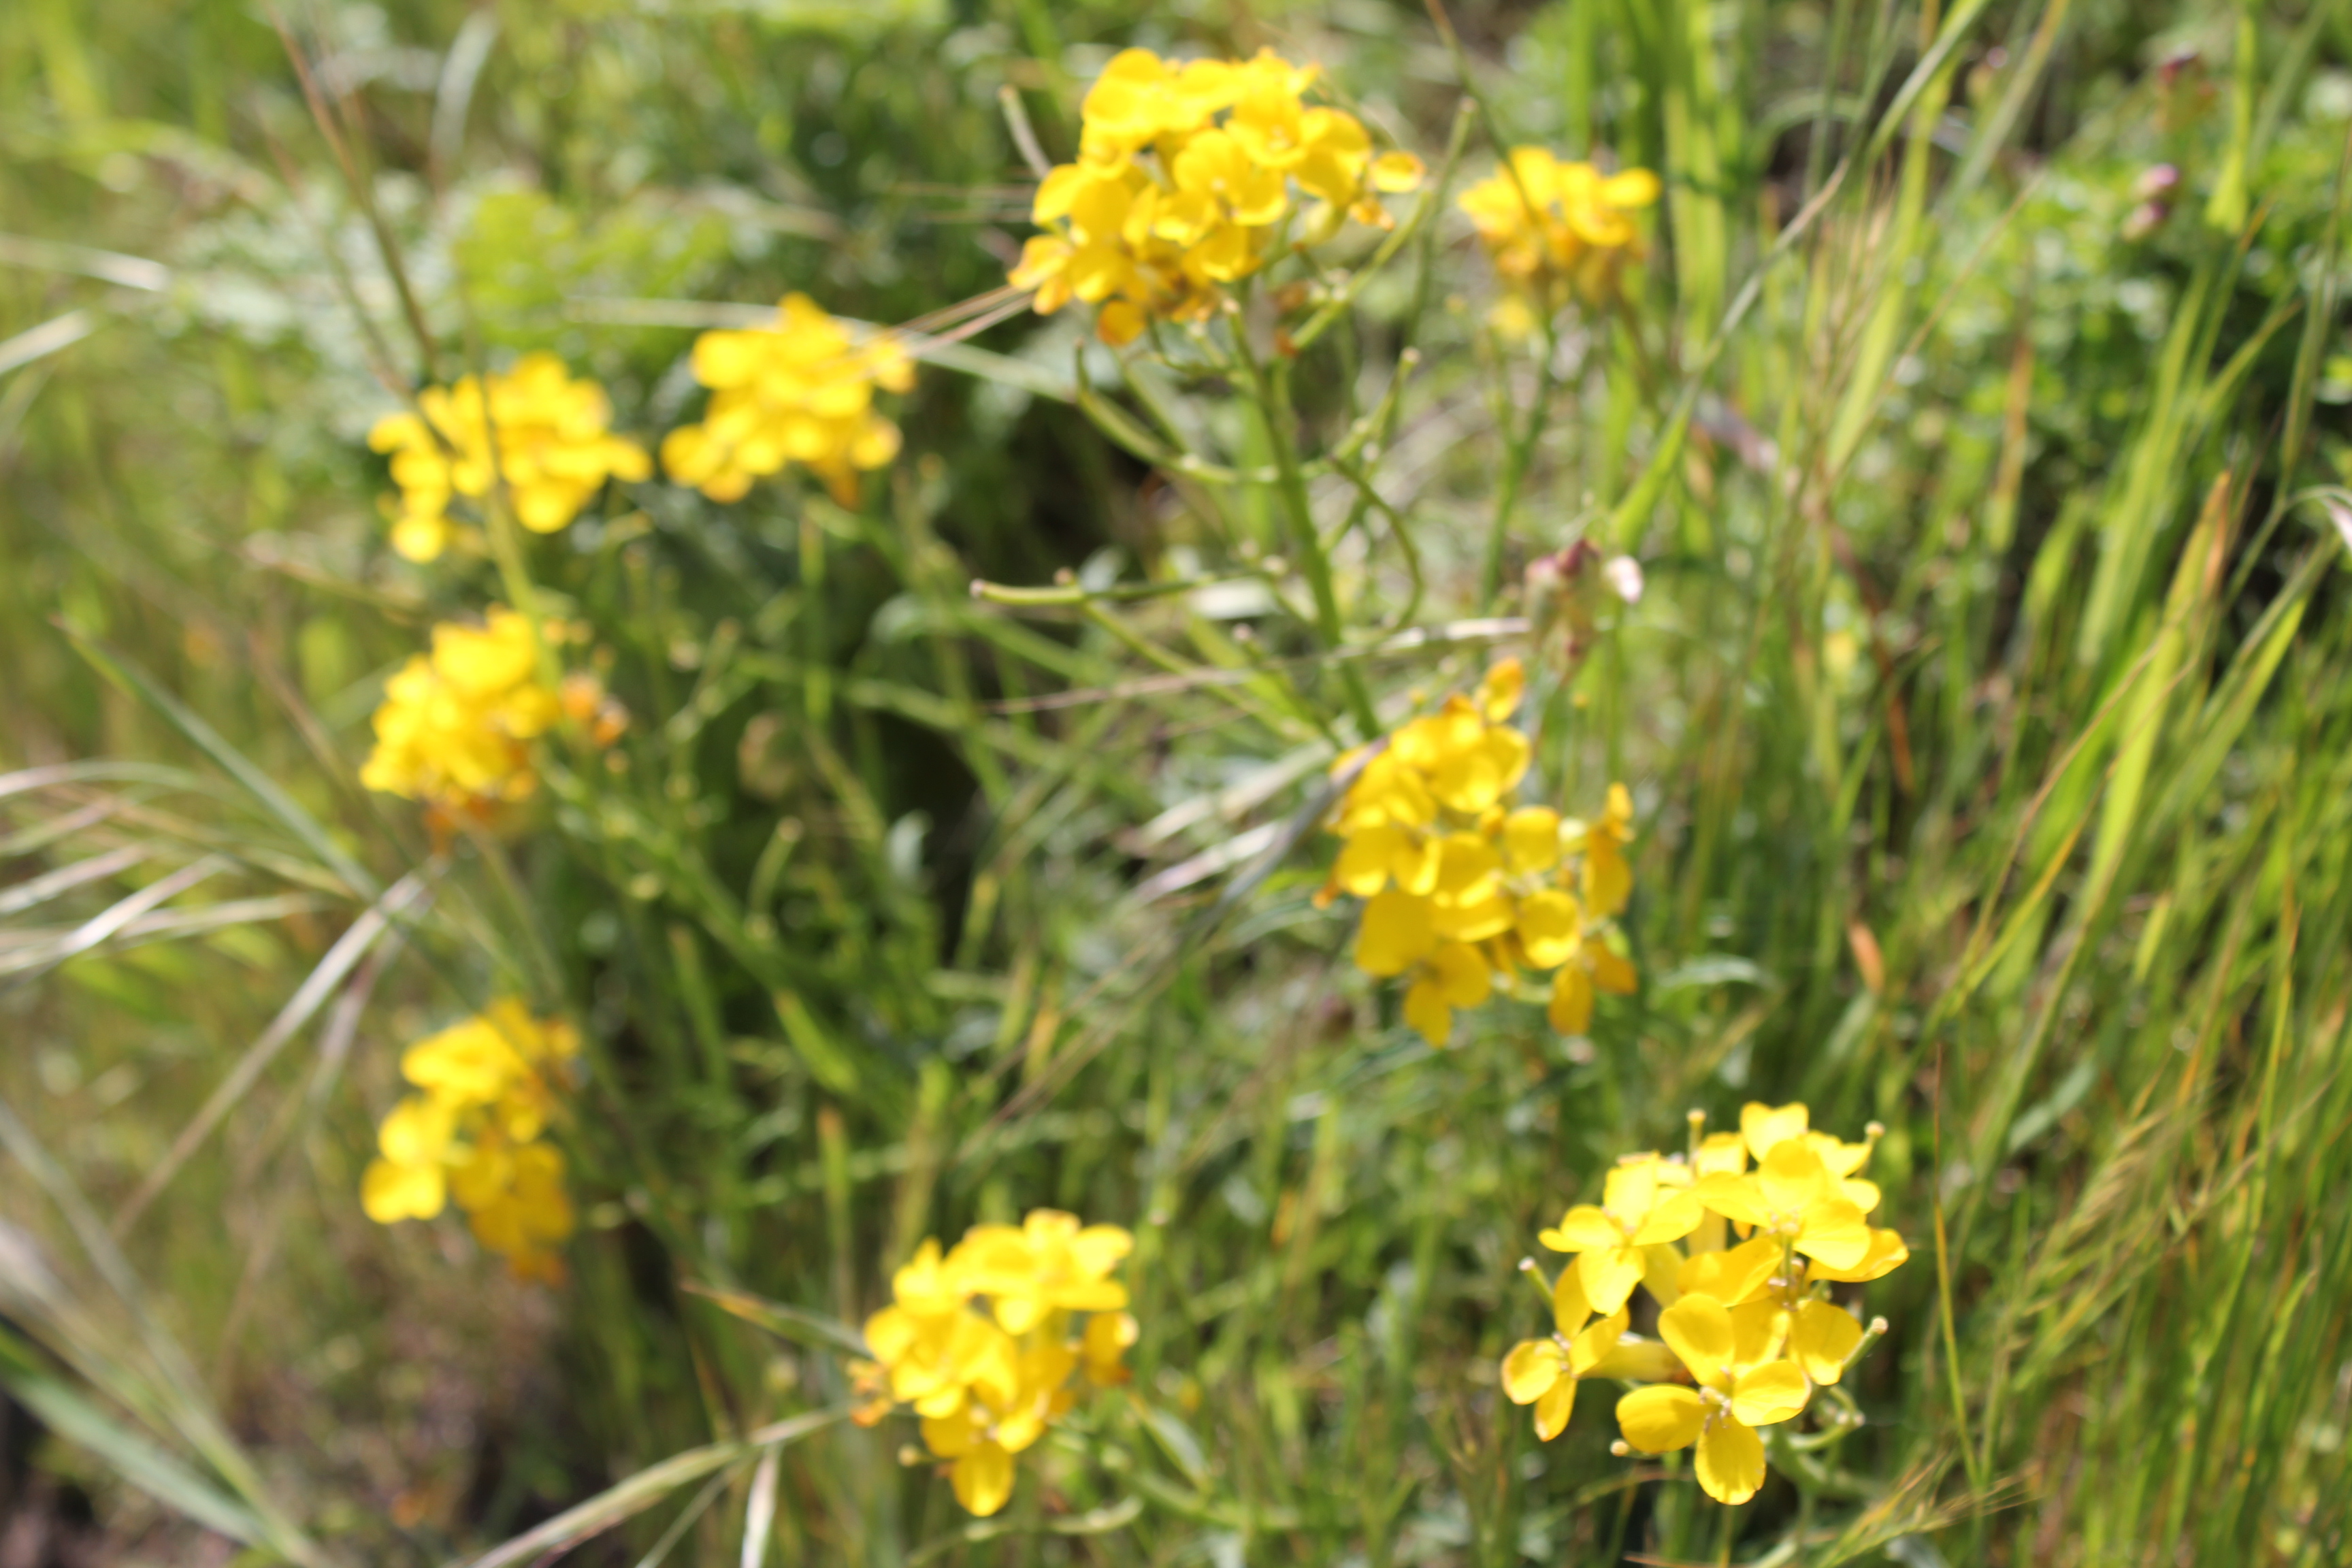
(1516, 463)
(1276, 412)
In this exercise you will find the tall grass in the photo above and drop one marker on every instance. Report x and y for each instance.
(1986, 712)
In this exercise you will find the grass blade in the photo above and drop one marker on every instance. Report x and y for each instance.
(649, 1485)
(238, 766)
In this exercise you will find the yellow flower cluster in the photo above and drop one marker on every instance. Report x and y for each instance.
(548, 435)
(1461, 888)
(455, 727)
(1752, 1326)
(800, 392)
(1168, 202)
(987, 1384)
(473, 1132)
(1559, 230)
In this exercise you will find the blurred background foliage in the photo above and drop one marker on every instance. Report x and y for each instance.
(1986, 717)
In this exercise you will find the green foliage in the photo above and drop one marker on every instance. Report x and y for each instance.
(1986, 712)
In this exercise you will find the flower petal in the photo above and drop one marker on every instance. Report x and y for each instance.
(1461, 975)
(1734, 1197)
(1589, 1348)
(1396, 933)
(1569, 1308)
(1571, 1010)
(1583, 1229)
(1611, 970)
(1609, 1276)
(1662, 1418)
(1767, 1127)
(1835, 1231)
(1553, 1409)
(1770, 1393)
(1506, 681)
(1531, 1369)
(1700, 1330)
(982, 1478)
(1821, 1338)
(1638, 1361)
(1550, 927)
(1887, 1253)
(1531, 840)
(1662, 1268)
(1363, 865)
(1671, 1220)
(1426, 1013)
(1732, 1276)
(1730, 1462)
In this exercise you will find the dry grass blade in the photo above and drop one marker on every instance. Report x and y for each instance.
(642, 1491)
(338, 962)
(760, 1511)
(177, 1392)
(36, 891)
(50, 337)
(162, 1477)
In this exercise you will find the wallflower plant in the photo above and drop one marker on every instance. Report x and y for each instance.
(1748, 1332)
(984, 1342)
(800, 392)
(1193, 176)
(1461, 888)
(545, 436)
(475, 1131)
(454, 728)
(1559, 231)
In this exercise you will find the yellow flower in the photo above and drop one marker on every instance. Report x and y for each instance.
(1468, 765)
(1460, 887)
(408, 1181)
(1557, 229)
(1167, 204)
(1140, 99)
(800, 392)
(1050, 1264)
(1884, 1255)
(1753, 1324)
(988, 1383)
(546, 436)
(1216, 181)
(515, 1202)
(502, 1058)
(1544, 1373)
(1592, 966)
(454, 726)
(1453, 976)
(1501, 689)
(936, 1361)
(487, 1086)
(1607, 879)
(1765, 1129)
(1641, 1206)
(1103, 1348)
(1791, 1195)
(1743, 1384)
(984, 1433)
(1773, 1266)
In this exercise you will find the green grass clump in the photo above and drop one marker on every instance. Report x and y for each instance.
(1977, 419)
